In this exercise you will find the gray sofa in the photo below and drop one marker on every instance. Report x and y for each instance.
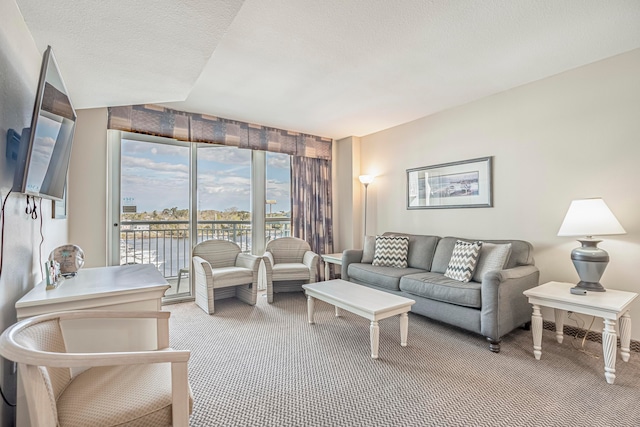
(493, 306)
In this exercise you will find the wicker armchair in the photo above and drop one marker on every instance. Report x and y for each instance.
(115, 388)
(221, 270)
(289, 263)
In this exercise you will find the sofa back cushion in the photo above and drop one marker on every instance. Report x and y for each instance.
(521, 253)
(421, 250)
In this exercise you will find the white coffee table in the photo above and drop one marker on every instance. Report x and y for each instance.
(612, 306)
(365, 302)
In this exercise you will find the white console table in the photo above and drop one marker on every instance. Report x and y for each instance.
(137, 287)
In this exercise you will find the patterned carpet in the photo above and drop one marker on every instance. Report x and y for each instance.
(266, 366)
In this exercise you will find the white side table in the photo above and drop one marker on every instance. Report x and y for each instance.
(612, 306)
(330, 259)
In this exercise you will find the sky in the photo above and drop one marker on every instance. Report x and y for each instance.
(155, 176)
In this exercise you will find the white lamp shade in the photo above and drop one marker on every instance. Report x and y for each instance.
(589, 217)
(366, 179)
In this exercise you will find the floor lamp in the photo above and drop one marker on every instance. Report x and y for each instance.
(366, 180)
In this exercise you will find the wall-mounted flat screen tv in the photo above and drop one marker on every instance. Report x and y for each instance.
(45, 147)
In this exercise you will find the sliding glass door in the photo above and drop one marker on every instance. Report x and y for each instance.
(167, 196)
(154, 208)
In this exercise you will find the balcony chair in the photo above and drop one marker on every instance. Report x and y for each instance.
(289, 263)
(142, 388)
(221, 270)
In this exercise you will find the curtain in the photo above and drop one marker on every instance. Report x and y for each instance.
(162, 121)
(311, 204)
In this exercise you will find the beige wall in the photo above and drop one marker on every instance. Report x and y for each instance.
(88, 186)
(22, 254)
(347, 199)
(574, 135)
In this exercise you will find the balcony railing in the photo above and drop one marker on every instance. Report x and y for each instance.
(166, 243)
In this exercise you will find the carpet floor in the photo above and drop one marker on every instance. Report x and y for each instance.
(266, 366)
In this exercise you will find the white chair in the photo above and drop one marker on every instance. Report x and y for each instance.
(289, 263)
(221, 270)
(116, 388)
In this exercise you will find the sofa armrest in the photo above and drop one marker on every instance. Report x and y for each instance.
(349, 256)
(504, 306)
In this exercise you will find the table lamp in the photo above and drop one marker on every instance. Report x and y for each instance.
(590, 217)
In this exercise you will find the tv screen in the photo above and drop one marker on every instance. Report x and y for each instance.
(45, 147)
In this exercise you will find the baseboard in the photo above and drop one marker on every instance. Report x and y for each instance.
(591, 335)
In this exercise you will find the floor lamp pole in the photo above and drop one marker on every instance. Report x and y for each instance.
(366, 186)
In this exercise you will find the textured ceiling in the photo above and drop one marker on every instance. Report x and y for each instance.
(332, 68)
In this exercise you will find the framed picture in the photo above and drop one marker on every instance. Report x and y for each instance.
(59, 208)
(464, 184)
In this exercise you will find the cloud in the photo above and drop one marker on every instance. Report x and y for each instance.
(278, 161)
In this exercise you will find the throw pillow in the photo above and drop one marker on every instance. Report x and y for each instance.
(369, 249)
(463, 260)
(391, 251)
(492, 257)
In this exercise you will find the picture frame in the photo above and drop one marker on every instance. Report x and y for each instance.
(462, 184)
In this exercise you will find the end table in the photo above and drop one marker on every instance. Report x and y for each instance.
(330, 259)
(612, 306)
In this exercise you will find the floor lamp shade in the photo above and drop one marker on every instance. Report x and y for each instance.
(590, 217)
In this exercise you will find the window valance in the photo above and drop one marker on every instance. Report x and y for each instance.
(162, 121)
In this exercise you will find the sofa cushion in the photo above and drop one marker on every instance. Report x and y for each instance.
(437, 287)
(492, 257)
(382, 277)
(421, 249)
(369, 249)
(463, 260)
(391, 251)
(521, 253)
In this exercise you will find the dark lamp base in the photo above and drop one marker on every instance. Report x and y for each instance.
(591, 286)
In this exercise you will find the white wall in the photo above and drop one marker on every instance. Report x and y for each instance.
(21, 256)
(574, 135)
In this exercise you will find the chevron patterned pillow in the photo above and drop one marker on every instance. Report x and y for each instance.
(391, 251)
(463, 260)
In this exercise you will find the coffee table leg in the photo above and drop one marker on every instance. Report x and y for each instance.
(327, 271)
(625, 336)
(375, 338)
(404, 329)
(337, 311)
(609, 341)
(310, 308)
(536, 329)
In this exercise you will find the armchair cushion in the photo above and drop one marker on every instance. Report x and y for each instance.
(290, 271)
(231, 276)
(118, 395)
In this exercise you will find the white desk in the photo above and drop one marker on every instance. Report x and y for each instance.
(138, 287)
(330, 259)
(611, 306)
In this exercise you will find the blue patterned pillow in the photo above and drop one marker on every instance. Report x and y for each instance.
(463, 260)
(391, 251)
